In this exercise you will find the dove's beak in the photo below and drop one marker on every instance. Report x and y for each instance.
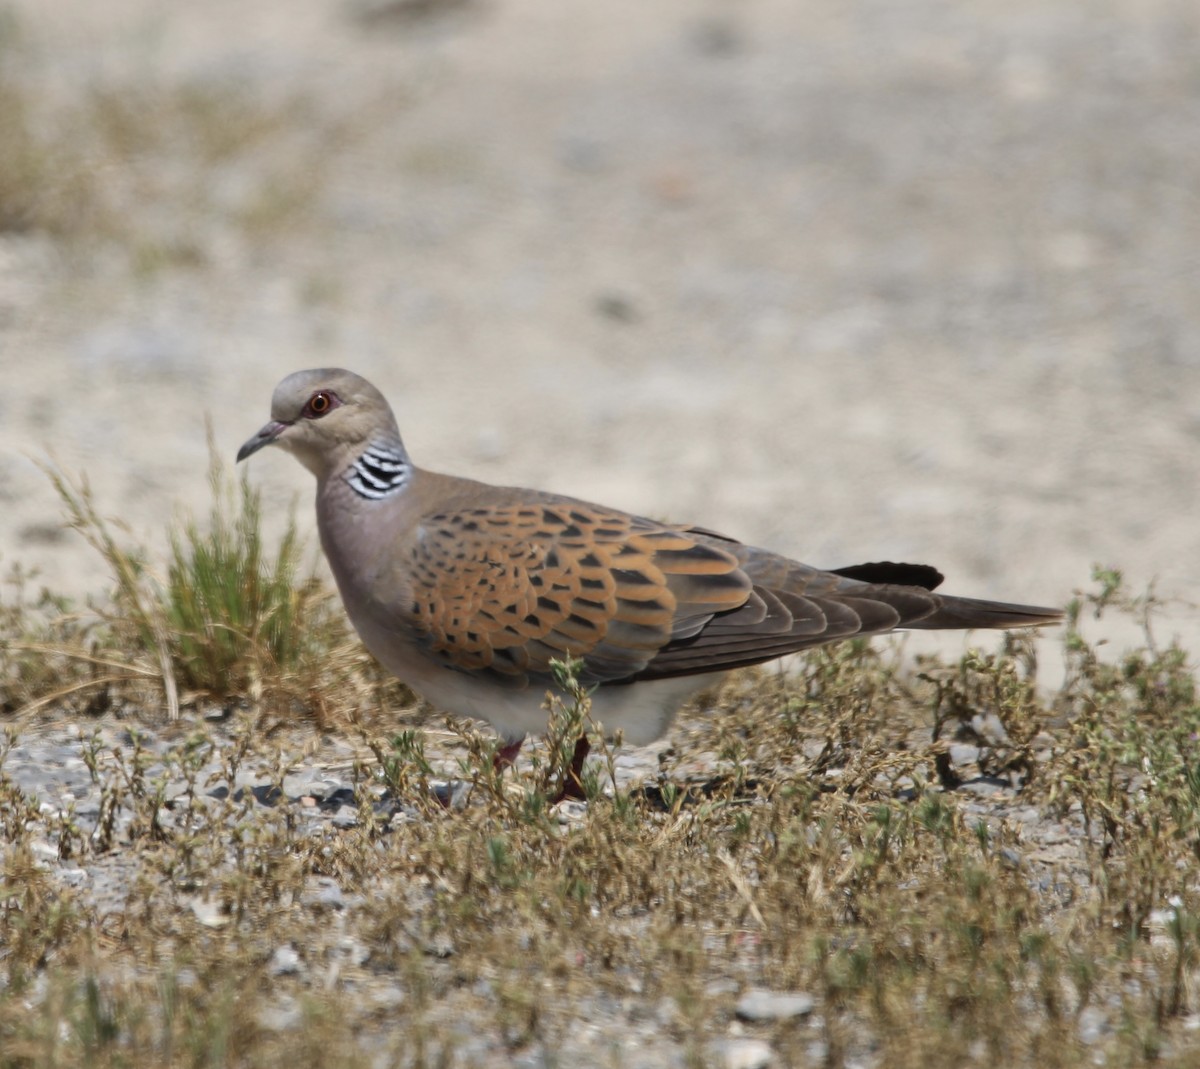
(269, 434)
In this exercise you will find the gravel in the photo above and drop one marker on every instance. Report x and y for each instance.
(320, 794)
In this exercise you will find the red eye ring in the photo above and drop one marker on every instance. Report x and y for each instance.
(320, 404)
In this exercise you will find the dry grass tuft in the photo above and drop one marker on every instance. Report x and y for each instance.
(223, 623)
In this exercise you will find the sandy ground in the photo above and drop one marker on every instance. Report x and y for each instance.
(854, 280)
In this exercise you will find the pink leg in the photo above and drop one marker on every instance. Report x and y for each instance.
(573, 783)
(507, 754)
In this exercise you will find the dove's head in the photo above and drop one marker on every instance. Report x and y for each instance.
(325, 417)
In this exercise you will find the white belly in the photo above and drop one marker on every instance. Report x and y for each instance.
(642, 712)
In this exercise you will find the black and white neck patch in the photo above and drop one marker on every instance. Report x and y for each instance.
(380, 471)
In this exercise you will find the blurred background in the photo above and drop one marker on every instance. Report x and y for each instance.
(853, 279)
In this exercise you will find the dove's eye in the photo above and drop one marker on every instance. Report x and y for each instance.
(320, 404)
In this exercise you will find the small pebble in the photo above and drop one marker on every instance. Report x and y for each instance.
(281, 1016)
(759, 1005)
(961, 754)
(352, 951)
(666, 1012)
(323, 892)
(387, 998)
(439, 946)
(74, 877)
(571, 811)
(1093, 1025)
(744, 1054)
(209, 913)
(44, 850)
(984, 786)
(285, 961)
